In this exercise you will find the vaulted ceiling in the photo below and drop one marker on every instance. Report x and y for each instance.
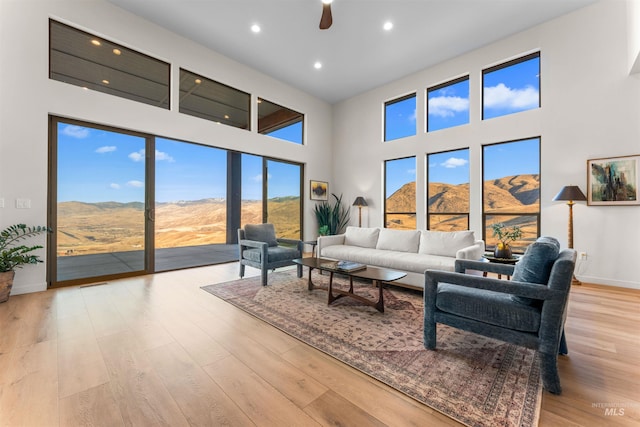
(356, 53)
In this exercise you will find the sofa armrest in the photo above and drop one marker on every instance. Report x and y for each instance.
(324, 241)
(474, 252)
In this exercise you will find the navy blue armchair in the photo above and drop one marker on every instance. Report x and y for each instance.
(529, 310)
(259, 248)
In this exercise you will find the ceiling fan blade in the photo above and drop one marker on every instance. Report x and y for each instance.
(326, 19)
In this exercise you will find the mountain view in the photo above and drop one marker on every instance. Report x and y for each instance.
(90, 228)
(511, 194)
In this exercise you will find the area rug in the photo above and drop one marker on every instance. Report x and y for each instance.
(475, 380)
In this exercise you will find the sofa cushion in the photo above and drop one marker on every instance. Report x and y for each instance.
(490, 307)
(398, 240)
(445, 243)
(261, 233)
(535, 265)
(363, 237)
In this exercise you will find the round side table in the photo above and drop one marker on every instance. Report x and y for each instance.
(495, 260)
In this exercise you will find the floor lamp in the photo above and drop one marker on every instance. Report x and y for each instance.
(571, 194)
(360, 203)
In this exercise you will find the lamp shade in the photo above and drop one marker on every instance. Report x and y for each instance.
(360, 201)
(570, 193)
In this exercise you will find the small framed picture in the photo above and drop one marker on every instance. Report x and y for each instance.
(613, 181)
(319, 190)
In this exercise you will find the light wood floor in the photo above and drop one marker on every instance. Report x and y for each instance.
(157, 350)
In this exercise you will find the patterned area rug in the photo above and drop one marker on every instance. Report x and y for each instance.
(475, 380)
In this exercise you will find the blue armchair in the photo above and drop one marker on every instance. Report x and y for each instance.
(529, 310)
(259, 248)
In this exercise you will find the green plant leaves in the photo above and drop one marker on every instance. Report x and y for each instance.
(13, 255)
(331, 219)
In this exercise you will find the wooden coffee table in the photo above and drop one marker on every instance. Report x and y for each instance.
(377, 275)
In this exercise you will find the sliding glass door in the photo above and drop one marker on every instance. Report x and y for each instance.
(283, 201)
(99, 206)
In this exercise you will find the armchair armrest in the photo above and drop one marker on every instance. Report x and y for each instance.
(252, 243)
(529, 290)
(293, 242)
(462, 265)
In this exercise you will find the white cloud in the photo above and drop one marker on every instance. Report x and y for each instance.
(411, 172)
(447, 106)
(114, 186)
(161, 155)
(257, 178)
(75, 131)
(454, 162)
(502, 96)
(138, 156)
(106, 149)
(136, 184)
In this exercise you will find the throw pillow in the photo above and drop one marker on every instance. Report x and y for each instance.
(261, 233)
(535, 265)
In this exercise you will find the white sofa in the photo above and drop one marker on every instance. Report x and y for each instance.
(411, 251)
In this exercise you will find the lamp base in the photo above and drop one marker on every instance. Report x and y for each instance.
(575, 281)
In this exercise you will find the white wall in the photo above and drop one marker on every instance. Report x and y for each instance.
(28, 97)
(590, 109)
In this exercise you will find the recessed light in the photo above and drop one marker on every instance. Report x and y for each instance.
(327, 1)
(226, 116)
(317, 65)
(95, 42)
(117, 52)
(105, 81)
(198, 81)
(255, 28)
(388, 26)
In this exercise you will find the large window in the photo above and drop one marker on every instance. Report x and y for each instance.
(400, 193)
(448, 190)
(511, 87)
(210, 100)
(91, 62)
(448, 104)
(280, 122)
(400, 117)
(511, 189)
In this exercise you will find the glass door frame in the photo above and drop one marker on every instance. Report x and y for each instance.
(265, 189)
(52, 203)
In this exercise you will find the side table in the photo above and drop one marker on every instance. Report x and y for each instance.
(495, 260)
(313, 244)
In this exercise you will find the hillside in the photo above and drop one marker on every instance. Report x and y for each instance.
(89, 228)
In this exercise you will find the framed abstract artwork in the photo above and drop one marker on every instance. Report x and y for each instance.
(319, 190)
(613, 181)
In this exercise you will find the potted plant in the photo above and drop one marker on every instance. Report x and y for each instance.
(331, 219)
(15, 255)
(505, 236)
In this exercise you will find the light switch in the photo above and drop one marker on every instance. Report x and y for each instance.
(23, 203)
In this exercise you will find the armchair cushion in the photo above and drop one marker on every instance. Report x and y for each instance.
(261, 233)
(274, 254)
(487, 306)
(535, 265)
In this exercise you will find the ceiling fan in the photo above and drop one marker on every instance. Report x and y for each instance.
(326, 19)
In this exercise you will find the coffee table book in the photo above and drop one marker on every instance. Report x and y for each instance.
(347, 266)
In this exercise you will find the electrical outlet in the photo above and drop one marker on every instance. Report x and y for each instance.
(583, 255)
(23, 203)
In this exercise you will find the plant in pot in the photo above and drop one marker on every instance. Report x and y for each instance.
(331, 219)
(505, 236)
(14, 254)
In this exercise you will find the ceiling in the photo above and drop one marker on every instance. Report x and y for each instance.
(356, 53)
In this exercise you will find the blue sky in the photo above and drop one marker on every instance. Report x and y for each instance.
(400, 119)
(448, 106)
(98, 166)
(512, 89)
(291, 133)
(398, 173)
(512, 158)
(451, 167)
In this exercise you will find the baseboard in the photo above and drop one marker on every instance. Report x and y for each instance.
(28, 288)
(609, 282)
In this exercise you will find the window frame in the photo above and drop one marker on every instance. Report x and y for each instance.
(486, 214)
(385, 192)
(429, 214)
(508, 64)
(442, 86)
(384, 112)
